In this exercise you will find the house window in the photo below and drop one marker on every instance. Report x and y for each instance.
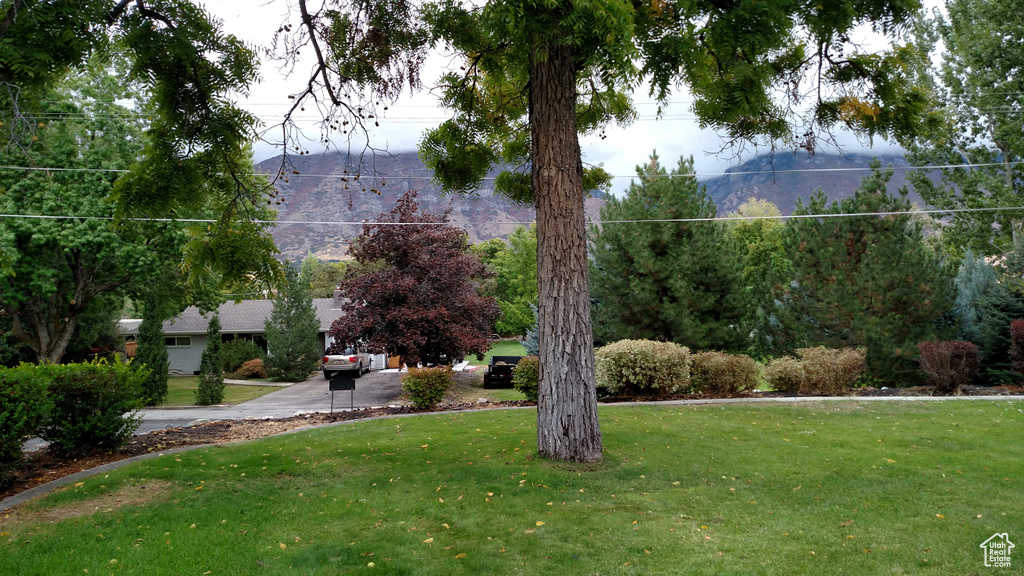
(178, 342)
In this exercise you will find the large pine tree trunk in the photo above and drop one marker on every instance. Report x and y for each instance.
(567, 426)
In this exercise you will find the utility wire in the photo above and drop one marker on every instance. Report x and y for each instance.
(525, 223)
(356, 177)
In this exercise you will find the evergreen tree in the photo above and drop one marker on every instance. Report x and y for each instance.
(984, 308)
(532, 343)
(292, 331)
(867, 280)
(211, 375)
(151, 353)
(677, 281)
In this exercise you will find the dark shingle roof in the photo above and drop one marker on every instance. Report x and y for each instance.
(245, 317)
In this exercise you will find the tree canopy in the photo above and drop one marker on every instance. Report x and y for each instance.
(420, 301)
(981, 93)
(675, 281)
(534, 75)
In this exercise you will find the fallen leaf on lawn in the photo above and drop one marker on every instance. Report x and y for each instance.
(647, 551)
(428, 540)
(192, 526)
(2, 534)
(939, 516)
(198, 488)
(282, 545)
(462, 555)
(490, 493)
(539, 523)
(447, 527)
(890, 460)
(425, 445)
(530, 530)
(850, 536)
(441, 500)
(798, 487)
(978, 516)
(79, 484)
(847, 523)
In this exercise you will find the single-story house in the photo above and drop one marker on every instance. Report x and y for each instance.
(185, 335)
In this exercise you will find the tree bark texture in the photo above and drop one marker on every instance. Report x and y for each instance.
(567, 424)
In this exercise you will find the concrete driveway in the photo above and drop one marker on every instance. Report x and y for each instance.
(372, 389)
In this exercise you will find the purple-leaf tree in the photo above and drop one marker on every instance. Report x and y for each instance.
(419, 299)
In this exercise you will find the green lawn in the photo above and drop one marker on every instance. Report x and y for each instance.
(812, 488)
(181, 392)
(500, 348)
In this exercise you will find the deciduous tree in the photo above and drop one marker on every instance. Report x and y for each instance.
(534, 75)
(421, 300)
(516, 289)
(980, 89)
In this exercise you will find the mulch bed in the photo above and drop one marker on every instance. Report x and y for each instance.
(41, 466)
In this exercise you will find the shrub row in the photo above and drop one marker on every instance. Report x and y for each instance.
(525, 377)
(642, 367)
(75, 407)
(818, 370)
(648, 368)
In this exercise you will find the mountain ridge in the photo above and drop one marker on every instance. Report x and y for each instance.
(324, 188)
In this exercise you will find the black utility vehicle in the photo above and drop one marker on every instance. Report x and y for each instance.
(499, 371)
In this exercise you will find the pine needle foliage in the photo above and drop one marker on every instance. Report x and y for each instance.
(151, 354)
(675, 281)
(210, 389)
(292, 331)
(866, 281)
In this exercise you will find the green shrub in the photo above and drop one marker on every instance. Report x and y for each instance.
(721, 374)
(94, 406)
(830, 371)
(234, 353)
(785, 374)
(524, 379)
(251, 369)
(427, 386)
(642, 367)
(24, 403)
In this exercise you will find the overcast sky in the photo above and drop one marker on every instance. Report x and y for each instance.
(676, 134)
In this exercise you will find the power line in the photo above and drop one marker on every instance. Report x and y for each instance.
(356, 177)
(526, 223)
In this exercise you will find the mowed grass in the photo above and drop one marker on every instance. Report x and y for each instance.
(835, 487)
(181, 392)
(499, 348)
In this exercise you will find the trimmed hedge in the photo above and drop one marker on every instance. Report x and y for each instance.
(642, 367)
(819, 371)
(722, 374)
(949, 364)
(427, 386)
(525, 377)
(94, 406)
(24, 403)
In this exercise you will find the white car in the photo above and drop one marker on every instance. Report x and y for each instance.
(350, 360)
